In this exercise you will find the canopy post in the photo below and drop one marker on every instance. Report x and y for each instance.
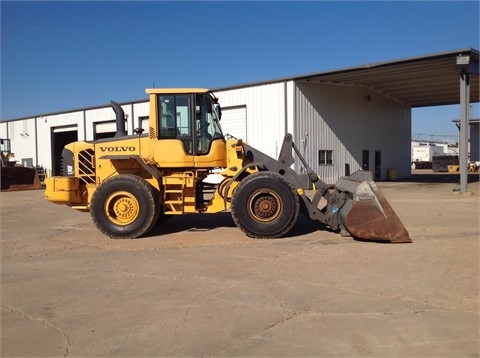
(463, 138)
(467, 65)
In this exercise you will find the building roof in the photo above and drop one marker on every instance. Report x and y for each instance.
(430, 80)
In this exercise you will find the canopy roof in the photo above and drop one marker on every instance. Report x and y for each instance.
(431, 80)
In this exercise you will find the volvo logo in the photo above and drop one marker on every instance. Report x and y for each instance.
(118, 149)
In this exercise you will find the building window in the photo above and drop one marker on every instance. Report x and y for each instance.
(325, 157)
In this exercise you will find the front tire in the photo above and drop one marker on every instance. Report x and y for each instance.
(264, 205)
(124, 207)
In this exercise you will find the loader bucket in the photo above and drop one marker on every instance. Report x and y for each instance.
(19, 178)
(367, 214)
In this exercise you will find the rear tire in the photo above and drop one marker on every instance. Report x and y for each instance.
(265, 206)
(124, 207)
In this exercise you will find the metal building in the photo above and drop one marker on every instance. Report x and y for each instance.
(337, 128)
(341, 121)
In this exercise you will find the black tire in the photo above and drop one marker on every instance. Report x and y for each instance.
(265, 206)
(124, 207)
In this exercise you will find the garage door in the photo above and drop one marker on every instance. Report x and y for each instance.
(234, 121)
(105, 127)
(64, 129)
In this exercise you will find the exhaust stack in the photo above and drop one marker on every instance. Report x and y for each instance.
(120, 119)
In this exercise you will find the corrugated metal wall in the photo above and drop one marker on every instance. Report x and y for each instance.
(3, 130)
(101, 116)
(22, 139)
(234, 122)
(47, 124)
(105, 117)
(28, 134)
(348, 120)
(140, 110)
(265, 108)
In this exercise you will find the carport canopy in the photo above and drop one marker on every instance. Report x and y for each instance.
(431, 80)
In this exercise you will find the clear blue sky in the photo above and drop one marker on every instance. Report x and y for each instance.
(58, 56)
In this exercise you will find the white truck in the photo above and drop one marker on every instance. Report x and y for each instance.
(422, 155)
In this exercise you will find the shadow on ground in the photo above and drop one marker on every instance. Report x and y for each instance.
(207, 222)
(192, 222)
(430, 177)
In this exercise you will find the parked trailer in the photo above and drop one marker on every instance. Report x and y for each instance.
(422, 156)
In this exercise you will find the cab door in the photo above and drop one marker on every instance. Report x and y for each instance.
(189, 134)
(209, 141)
(175, 145)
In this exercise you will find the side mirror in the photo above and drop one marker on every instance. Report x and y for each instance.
(218, 109)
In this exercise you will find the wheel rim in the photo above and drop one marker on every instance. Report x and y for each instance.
(121, 208)
(264, 206)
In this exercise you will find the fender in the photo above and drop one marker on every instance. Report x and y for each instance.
(235, 177)
(155, 174)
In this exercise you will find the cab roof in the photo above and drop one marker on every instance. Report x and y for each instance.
(175, 90)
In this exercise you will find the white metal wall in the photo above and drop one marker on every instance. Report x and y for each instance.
(343, 119)
(47, 124)
(234, 122)
(141, 110)
(265, 104)
(3, 130)
(102, 116)
(349, 120)
(22, 139)
(103, 119)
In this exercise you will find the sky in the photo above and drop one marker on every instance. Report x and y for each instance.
(58, 56)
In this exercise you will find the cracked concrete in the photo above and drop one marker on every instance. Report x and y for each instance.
(66, 345)
(199, 287)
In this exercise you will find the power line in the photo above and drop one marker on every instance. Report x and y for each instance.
(418, 135)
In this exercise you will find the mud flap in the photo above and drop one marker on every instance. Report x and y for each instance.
(367, 214)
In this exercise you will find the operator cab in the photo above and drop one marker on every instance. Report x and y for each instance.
(186, 124)
(193, 118)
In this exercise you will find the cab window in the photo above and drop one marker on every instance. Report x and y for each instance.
(175, 118)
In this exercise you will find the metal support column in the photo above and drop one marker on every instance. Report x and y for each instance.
(464, 127)
(468, 66)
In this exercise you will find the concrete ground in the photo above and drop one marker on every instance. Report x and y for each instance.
(199, 287)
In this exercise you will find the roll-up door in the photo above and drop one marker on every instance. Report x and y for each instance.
(60, 137)
(105, 129)
(64, 129)
(234, 121)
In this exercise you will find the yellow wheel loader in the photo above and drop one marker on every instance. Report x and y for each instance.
(130, 183)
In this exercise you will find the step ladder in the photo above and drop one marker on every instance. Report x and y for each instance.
(179, 193)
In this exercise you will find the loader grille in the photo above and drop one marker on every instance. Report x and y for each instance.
(86, 166)
(66, 163)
